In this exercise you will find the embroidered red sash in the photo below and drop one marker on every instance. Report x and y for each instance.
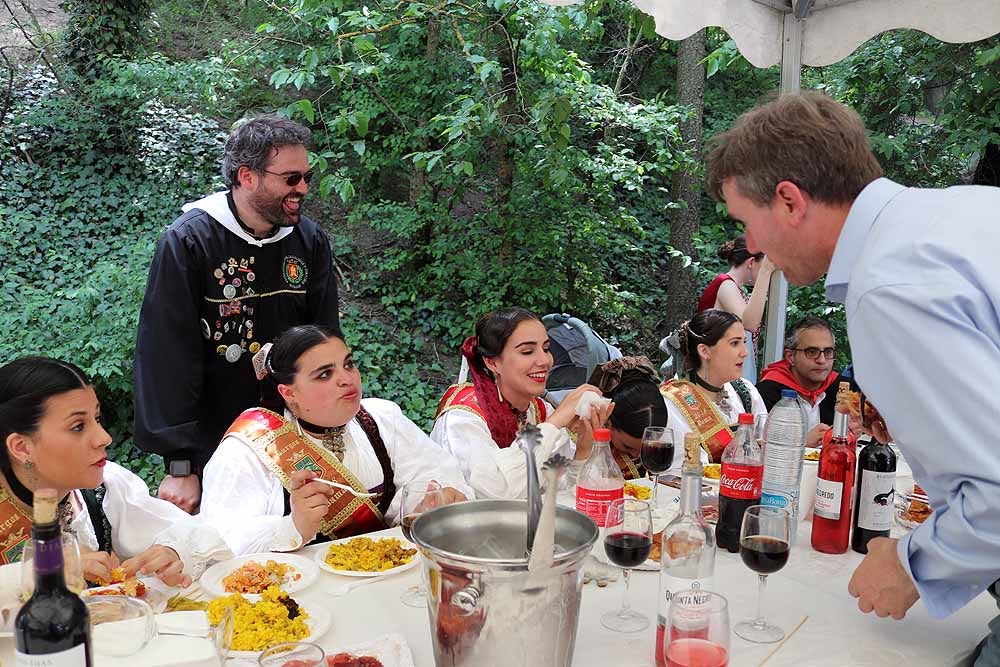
(630, 468)
(15, 524)
(701, 415)
(463, 397)
(278, 445)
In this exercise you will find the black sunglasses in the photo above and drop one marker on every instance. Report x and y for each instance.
(292, 179)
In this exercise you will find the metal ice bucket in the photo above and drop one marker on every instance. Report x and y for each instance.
(485, 608)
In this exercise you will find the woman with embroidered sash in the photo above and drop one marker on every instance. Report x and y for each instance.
(51, 432)
(313, 422)
(509, 361)
(633, 385)
(711, 395)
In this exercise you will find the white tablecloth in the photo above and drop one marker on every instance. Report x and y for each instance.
(812, 585)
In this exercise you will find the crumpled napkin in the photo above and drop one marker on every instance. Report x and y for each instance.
(588, 399)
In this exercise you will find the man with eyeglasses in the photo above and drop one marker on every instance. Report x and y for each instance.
(236, 269)
(916, 271)
(807, 367)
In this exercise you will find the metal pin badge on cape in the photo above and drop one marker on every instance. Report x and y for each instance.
(206, 330)
(233, 353)
(229, 291)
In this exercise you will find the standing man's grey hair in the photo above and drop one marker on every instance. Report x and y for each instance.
(252, 144)
(808, 322)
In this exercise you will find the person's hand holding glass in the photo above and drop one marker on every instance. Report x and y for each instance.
(764, 548)
(628, 539)
(657, 454)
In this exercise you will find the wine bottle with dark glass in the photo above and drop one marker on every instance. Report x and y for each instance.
(874, 506)
(54, 622)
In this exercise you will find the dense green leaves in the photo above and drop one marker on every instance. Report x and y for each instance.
(468, 156)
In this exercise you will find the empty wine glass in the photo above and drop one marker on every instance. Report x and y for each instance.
(119, 625)
(764, 548)
(122, 626)
(417, 497)
(698, 632)
(628, 539)
(657, 453)
(72, 566)
(293, 654)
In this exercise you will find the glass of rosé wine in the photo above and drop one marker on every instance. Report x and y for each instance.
(698, 630)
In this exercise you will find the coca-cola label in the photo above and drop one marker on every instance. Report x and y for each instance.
(594, 502)
(741, 482)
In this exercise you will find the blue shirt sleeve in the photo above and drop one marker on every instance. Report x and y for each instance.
(928, 356)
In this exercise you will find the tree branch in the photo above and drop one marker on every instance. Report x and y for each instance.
(39, 49)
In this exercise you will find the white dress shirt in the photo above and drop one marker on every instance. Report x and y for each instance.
(917, 272)
(494, 472)
(246, 501)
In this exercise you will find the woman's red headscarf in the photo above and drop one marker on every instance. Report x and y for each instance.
(500, 416)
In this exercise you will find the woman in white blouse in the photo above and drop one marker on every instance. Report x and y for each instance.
(50, 428)
(258, 486)
(509, 361)
(710, 397)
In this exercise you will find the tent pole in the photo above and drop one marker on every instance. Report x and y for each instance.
(791, 71)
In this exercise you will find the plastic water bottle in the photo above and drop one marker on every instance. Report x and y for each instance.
(786, 441)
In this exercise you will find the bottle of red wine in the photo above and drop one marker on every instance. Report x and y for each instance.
(874, 505)
(53, 626)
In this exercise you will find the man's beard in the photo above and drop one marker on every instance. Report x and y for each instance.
(273, 212)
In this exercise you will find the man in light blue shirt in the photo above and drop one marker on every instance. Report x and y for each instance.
(916, 270)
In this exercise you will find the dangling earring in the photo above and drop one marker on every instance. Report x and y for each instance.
(29, 470)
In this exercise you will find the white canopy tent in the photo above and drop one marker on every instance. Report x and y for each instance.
(816, 33)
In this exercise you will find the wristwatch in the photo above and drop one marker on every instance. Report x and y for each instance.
(179, 468)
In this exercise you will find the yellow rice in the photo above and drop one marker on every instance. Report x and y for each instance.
(259, 625)
(363, 554)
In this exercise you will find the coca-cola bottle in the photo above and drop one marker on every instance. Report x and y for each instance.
(687, 555)
(831, 529)
(739, 485)
(600, 480)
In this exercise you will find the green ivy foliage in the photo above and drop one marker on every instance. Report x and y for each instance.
(78, 224)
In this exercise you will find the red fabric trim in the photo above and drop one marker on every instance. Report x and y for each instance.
(781, 372)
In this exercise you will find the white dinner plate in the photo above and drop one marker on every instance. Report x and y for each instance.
(321, 560)
(154, 597)
(211, 580)
(318, 623)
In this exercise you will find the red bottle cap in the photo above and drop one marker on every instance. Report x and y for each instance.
(602, 434)
(745, 418)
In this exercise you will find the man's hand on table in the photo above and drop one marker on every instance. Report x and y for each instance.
(880, 582)
(814, 438)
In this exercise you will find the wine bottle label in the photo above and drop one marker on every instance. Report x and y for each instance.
(876, 506)
(74, 657)
(742, 482)
(594, 502)
(828, 497)
(670, 585)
